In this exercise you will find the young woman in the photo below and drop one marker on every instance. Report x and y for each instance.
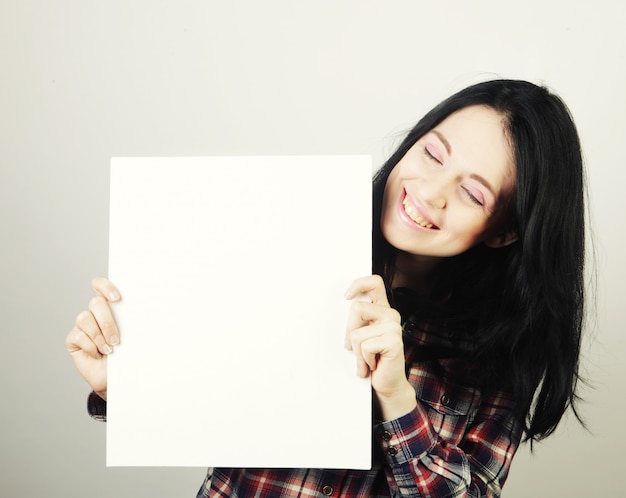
(472, 333)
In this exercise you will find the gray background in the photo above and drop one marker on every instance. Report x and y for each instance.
(84, 80)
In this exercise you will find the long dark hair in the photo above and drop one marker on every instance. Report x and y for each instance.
(522, 304)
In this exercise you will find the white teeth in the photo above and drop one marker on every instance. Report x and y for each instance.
(414, 215)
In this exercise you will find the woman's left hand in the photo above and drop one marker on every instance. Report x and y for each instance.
(374, 334)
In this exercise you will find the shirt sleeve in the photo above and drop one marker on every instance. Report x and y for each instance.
(465, 455)
(96, 407)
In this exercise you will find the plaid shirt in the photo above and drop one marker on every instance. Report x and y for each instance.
(454, 444)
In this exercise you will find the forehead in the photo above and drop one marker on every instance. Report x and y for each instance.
(478, 142)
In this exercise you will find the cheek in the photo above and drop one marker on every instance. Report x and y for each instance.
(471, 229)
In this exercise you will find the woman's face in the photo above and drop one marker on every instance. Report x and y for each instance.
(442, 197)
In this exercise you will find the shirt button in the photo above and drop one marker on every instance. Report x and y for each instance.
(445, 400)
(327, 490)
(392, 451)
(386, 435)
(410, 327)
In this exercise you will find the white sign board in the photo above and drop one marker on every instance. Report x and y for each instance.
(232, 272)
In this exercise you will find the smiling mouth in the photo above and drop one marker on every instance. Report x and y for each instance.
(412, 213)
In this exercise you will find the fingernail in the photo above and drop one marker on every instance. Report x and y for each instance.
(114, 296)
(114, 340)
(106, 349)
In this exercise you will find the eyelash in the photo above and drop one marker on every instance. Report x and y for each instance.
(469, 195)
(430, 156)
(472, 197)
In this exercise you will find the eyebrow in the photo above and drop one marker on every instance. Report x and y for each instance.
(444, 141)
(484, 182)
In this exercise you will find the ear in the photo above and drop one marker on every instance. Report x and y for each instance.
(501, 239)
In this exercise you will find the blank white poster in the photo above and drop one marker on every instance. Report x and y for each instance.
(232, 272)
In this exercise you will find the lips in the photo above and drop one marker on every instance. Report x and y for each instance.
(415, 216)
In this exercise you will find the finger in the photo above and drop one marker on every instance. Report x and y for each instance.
(104, 287)
(379, 347)
(362, 314)
(354, 340)
(354, 321)
(101, 312)
(367, 343)
(86, 323)
(371, 286)
(359, 336)
(370, 312)
(362, 367)
(370, 352)
(77, 340)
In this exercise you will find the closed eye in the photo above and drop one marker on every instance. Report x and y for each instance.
(432, 154)
(472, 197)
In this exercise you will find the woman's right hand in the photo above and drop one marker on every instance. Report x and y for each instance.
(94, 335)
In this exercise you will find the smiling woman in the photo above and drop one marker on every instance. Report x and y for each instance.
(500, 164)
(444, 195)
(471, 333)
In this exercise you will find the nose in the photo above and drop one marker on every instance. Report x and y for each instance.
(434, 192)
(436, 201)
